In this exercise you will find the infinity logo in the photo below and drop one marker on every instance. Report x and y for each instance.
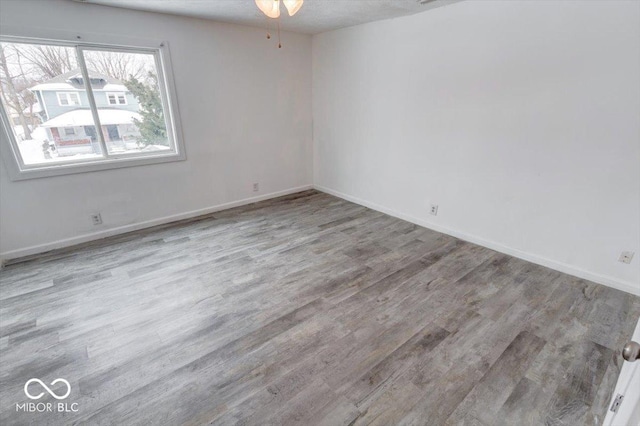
(52, 393)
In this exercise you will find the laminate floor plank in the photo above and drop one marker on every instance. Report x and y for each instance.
(306, 309)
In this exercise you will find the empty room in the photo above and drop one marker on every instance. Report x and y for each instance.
(320, 212)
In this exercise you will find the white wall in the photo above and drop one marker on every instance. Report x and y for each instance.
(246, 117)
(521, 119)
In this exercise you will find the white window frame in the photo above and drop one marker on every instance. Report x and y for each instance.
(73, 131)
(67, 97)
(9, 150)
(117, 96)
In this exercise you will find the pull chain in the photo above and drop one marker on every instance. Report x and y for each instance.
(268, 34)
(279, 44)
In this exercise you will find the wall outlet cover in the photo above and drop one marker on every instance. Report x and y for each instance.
(433, 209)
(96, 219)
(626, 256)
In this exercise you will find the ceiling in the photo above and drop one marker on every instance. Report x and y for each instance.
(316, 16)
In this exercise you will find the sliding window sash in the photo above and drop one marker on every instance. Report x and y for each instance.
(92, 100)
(163, 86)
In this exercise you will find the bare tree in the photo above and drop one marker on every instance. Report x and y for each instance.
(119, 65)
(49, 61)
(14, 90)
(27, 96)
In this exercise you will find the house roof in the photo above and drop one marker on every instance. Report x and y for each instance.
(83, 117)
(73, 80)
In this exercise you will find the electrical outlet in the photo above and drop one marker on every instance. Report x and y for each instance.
(626, 256)
(256, 187)
(96, 219)
(433, 209)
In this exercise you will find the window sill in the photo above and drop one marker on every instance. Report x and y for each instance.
(16, 174)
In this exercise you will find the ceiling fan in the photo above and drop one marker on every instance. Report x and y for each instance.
(271, 8)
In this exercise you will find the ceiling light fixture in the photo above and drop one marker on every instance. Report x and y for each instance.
(293, 6)
(271, 8)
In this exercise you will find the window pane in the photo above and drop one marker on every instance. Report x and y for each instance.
(132, 116)
(42, 90)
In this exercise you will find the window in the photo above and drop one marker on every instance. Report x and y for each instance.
(116, 98)
(76, 131)
(68, 98)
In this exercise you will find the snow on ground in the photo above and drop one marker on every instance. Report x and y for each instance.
(32, 152)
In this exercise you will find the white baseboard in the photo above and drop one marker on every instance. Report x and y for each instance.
(626, 286)
(41, 248)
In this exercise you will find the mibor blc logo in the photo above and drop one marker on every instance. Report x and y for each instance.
(46, 407)
(41, 394)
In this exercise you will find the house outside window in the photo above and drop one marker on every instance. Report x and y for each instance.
(68, 98)
(69, 131)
